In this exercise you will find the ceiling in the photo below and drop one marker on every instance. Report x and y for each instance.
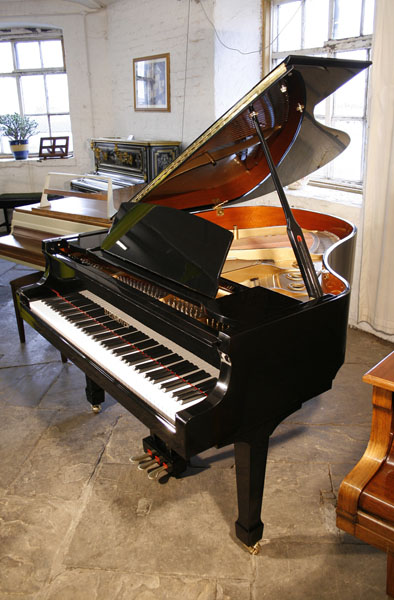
(94, 4)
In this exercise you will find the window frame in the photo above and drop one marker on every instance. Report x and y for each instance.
(17, 36)
(330, 48)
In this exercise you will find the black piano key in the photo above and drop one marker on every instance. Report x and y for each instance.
(94, 328)
(167, 360)
(118, 340)
(94, 312)
(170, 360)
(59, 303)
(74, 296)
(191, 396)
(160, 374)
(80, 317)
(126, 330)
(184, 367)
(156, 354)
(136, 358)
(128, 348)
(193, 378)
(108, 330)
(206, 386)
(203, 387)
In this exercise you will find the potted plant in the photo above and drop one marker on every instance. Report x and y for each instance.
(18, 129)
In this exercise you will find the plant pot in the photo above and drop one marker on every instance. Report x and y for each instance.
(20, 149)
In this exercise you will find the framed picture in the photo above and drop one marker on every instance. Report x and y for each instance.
(152, 83)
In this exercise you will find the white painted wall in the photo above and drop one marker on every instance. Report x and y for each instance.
(29, 175)
(206, 77)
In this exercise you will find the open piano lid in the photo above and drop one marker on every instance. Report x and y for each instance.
(227, 162)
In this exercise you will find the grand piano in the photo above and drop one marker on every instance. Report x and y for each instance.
(212, 323)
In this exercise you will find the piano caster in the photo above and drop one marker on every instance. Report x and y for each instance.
(254, 550)
(94, 395)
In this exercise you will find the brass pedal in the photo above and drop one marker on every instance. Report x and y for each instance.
(139, 458)
(155, 473)
(146, 463)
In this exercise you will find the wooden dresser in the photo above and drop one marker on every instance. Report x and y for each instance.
(366, 496)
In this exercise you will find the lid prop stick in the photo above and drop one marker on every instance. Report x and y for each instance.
(294, 231)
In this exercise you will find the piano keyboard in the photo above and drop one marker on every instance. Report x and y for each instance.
(166, 376)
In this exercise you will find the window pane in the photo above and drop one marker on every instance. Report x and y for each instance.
(43, 131)
(6, 62)
(347, 18)
(289, 26)
(348, 165)
(61, 125)
(369, 10)
(57, 93)
(52, 53)
(9, 102)
(316, 23)
(33, 94)
(28, 55)
(321, 111)
(349, 100)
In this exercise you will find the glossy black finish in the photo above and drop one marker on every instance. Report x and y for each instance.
(173, 244)
(273, 352)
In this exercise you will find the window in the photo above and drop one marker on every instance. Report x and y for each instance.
(332, 28)
(33, 82)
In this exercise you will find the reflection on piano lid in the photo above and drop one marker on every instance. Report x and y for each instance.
(158, 284)
(157, 238)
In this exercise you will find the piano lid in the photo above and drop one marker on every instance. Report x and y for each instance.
(226, 162)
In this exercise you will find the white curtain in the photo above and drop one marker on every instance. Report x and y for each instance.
(376, 297)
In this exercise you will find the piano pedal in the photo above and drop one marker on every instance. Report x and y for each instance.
(155, 473)
(159, 461)
(139, 458)
(146, 463)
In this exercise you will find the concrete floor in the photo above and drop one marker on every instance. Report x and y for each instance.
(79, 522)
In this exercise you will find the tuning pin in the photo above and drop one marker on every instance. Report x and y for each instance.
(155, 473)
(139, 458)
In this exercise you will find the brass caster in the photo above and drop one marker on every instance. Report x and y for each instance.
(254, 550)
(96, 408)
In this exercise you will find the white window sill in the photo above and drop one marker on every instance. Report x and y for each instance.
(336, 196)
(35, 161)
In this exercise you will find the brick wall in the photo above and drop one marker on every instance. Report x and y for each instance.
(206, 78)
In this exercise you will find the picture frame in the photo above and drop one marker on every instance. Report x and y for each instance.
(151, 76)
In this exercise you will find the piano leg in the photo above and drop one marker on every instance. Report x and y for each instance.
(250, 463)
(94, 394)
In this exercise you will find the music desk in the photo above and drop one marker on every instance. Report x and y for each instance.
(366, 496)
